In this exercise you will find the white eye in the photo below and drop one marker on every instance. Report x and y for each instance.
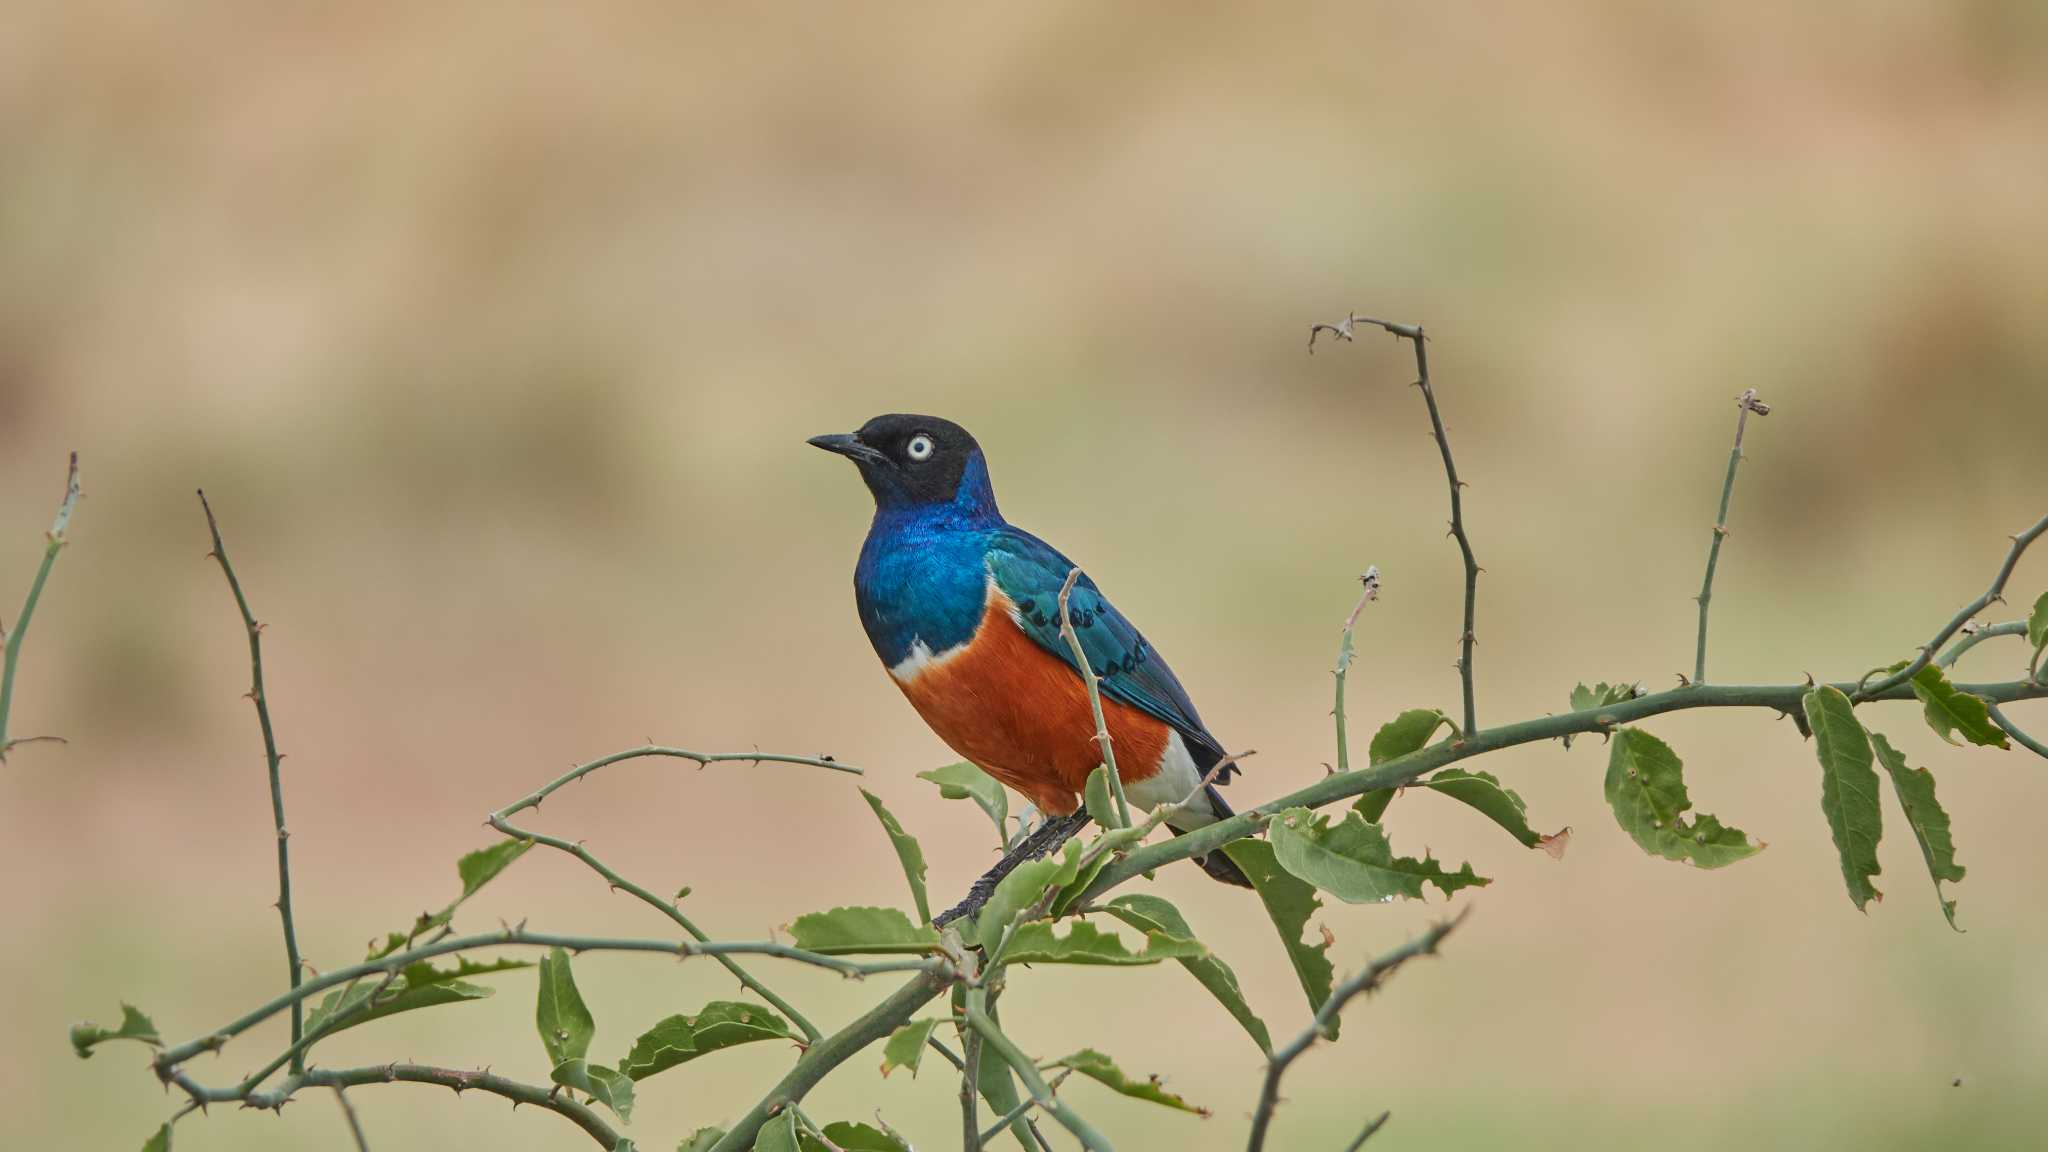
(919, 448)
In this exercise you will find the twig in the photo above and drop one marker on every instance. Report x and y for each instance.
(519, 936)
(832, 1051)
(1094, 683)
(501, 821)
(1403, 769)
(2013, 730)
(1371, 582)
(970, 1068)
(1413, 334)
(550, 1097)
(1034, 1084)
(1011, 1117)
(1374, 974)
(54, 545)
(1971, 638)
(1745, 403)
(1927, 651)
(1371, 1129)
(355, 1123)
(271, 759)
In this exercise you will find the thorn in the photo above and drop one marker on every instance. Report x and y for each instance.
(1682, 681)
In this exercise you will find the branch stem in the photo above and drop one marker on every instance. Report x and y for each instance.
(2013, 730)
(1955, 625)
(1034, 1084)
(272, 759)
(549, 1097)
(1970, 640)
(1400, 770)
(1745, 403)
(1371, 582)
(1371, 978)
(825, 1055)
(1094, 683)
(12, 659)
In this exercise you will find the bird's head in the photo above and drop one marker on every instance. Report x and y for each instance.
(912, 462)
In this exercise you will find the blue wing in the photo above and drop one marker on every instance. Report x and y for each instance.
(1029, 571)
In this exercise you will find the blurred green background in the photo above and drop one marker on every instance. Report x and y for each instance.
(494, 332)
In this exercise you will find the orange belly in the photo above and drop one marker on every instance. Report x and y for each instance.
(1022, 715)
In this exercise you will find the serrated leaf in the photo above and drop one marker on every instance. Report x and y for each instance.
(564, 1022)
(1039, 942)
(843, 931)
(1408, 732)
(1020, 890)
(480, 867)
(1494, 800)
(906, 1046)
(778, 1134)
(344, 1008)
(1848, 787)
(702, 1140)
(1289, 904)
(1915, 789)
(1101, 1069)
(964, 781)
(1601, 695)
(1646, 789)
(848, 1137)
(908, 853)
(1151, 914)
(134, 1026)
(611, 1088)
(2037, 624)
(1100, 802)
(160, 1141)
(719, 1024)
(1353, 861)
(1950, 710)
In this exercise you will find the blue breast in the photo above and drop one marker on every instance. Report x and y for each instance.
(923, 572)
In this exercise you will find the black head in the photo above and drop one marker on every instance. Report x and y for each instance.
(909, 461)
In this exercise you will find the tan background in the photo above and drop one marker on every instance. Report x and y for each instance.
(495, 332)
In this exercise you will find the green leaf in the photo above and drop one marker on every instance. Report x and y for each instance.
(1601, 695)
(1354, 862)
(1019, 891)
(719, 1024)
(1408, 732)
(907, 852)
(1495, 801)
(778, 1134)
(564, 1022)
(848, 930)
(1915, 788)
(354, 1005)
(702, 1140)
(612, 1089)
(1038, 943)
(849, 1137)
(1100, 802)
(483, 865)
(963, 781)
(2037, 624)
(1848, 787)
(1289, 903)
(1116, 839)
(1950, 710)
(906, 1046)
(160, 1142)
(1150, 914)
(134, 1026)
(1101, 1069)
(1646, 789)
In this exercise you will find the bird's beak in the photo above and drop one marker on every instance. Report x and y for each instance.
(848, 445)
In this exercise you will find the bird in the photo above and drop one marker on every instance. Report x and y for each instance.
(962, 607)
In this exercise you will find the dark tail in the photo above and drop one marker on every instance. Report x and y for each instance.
(1216, 864)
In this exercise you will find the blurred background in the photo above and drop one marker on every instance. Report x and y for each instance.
(494, 332)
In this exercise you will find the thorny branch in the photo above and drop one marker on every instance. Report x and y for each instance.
(1745, 403)
(12, 659)
(272, 759)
